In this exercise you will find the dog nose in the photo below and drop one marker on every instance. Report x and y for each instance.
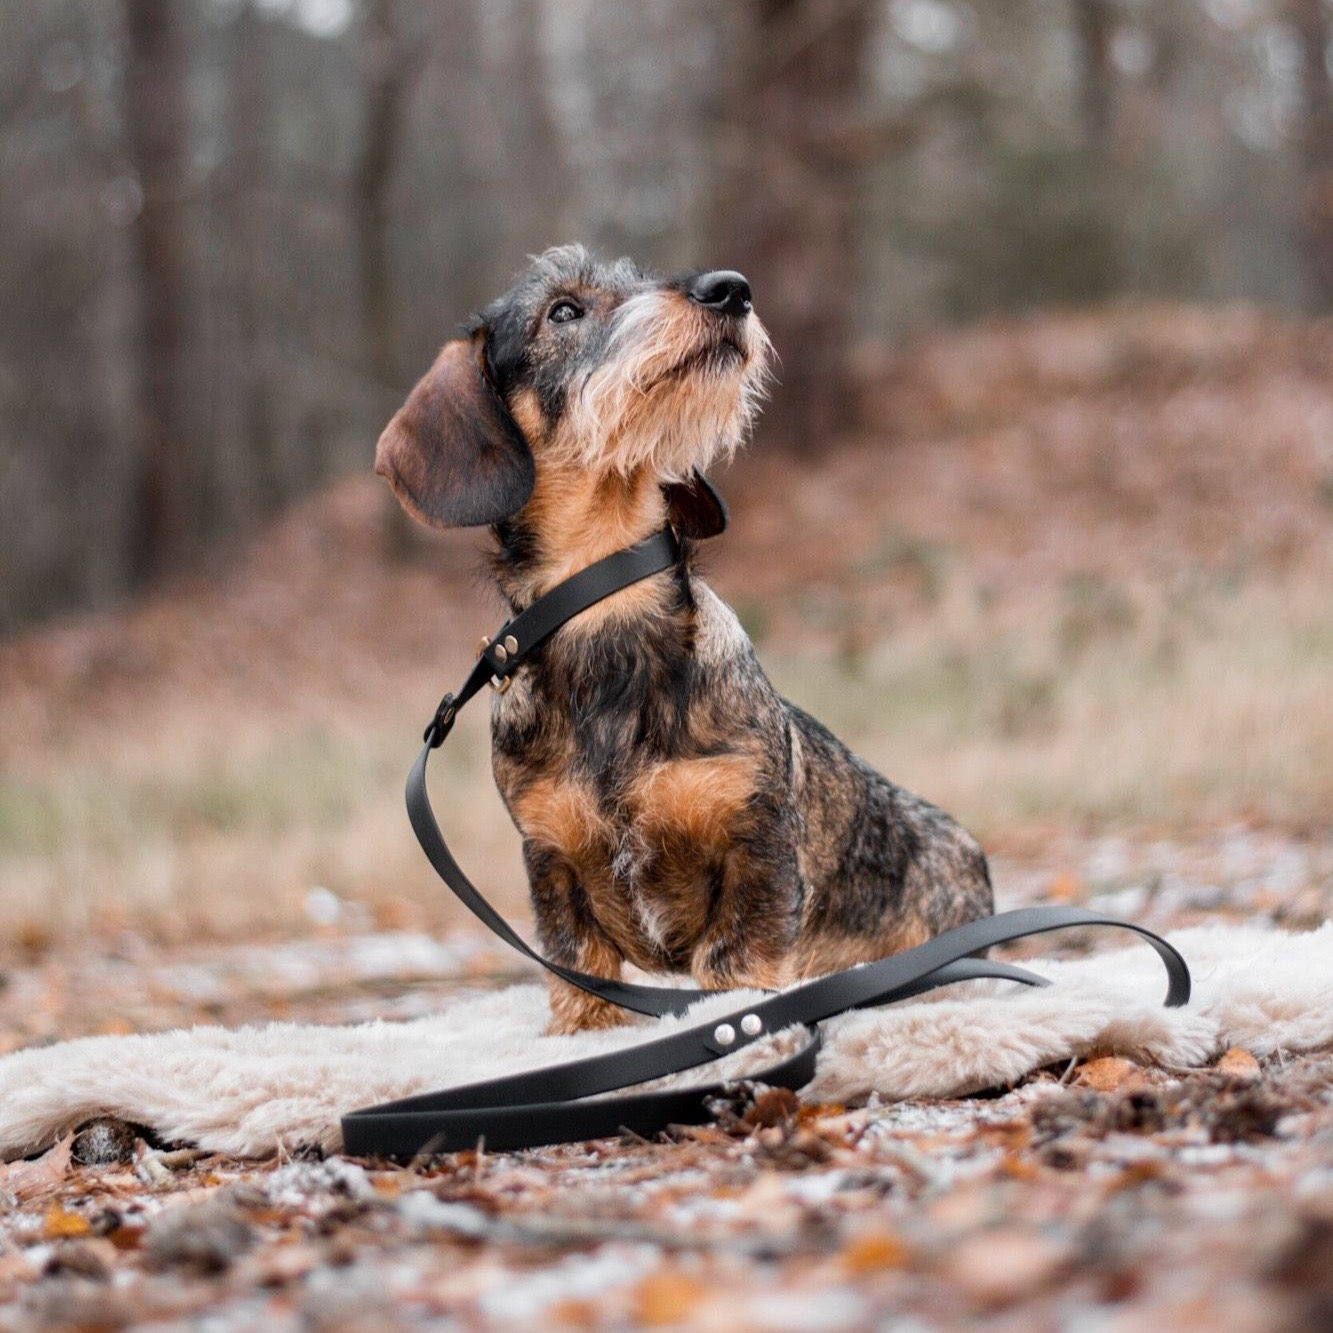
(723, 290)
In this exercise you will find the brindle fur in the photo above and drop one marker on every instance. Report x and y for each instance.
(676, 813)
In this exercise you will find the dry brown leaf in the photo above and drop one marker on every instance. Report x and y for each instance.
(126, 1237)
(15, 1268)
(998, 1267)
(284, 1263)
(23, 1181)
(1065, 887)
(1107, 1074)
(1019, 1168)
(1238, 1063)
(665, 1298)
(574, 1312)
(873, 1251)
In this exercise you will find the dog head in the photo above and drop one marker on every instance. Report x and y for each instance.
(584, 365)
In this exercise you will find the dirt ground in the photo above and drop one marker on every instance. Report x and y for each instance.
(1072, 582)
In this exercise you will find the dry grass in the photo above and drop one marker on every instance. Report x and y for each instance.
(1153, 716)
(1076, 577)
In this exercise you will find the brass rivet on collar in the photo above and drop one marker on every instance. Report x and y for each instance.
(511, 644)
(499, 653)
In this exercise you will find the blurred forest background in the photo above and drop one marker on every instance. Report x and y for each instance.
(233, 230)
(1040, 516)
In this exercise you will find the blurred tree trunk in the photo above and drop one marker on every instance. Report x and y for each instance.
(788, 192)
(261, 487)
(388, 72)
(1311, 21)
(538, 222)
(157, 128)
(385, 88)
(1094, 25)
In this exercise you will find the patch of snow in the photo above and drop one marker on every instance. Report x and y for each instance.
(421, 1210)
(808, 1311)
(298, 1182)
(523, 1298)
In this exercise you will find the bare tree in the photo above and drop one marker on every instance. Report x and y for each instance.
(156, 127)
(1310, 19)
(245, 188)
(532, 134)
(1094, 23)
(389, 70)
(788, 190)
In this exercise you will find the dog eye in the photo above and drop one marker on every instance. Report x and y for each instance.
(563, 312)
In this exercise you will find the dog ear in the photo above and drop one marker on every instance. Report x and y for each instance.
(452, 453)
(694, 508)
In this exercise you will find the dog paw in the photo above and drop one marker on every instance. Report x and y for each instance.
(584, 1014)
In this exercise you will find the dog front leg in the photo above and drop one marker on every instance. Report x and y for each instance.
(753, 923)
(570, 936)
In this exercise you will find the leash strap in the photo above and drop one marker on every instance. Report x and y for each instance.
(550, 1104)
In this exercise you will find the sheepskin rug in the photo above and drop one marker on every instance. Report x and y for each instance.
(254, 1091)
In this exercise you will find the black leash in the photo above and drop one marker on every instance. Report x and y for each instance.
(548, 1105)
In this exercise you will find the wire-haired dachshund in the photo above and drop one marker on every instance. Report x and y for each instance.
(675, 811)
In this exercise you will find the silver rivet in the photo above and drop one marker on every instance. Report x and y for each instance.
(724, 1034)
(499, 653)
(752, 1024)
(511, 643)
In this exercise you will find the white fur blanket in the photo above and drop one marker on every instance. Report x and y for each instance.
(253, 1091)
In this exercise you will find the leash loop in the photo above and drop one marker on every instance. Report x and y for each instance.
(565, 1102)
(442, 723)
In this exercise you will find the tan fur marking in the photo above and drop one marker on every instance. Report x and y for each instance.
(561, 814)
(575, 1010)
(527, 412)
(697, 799)
(819, 955)
(582, 517)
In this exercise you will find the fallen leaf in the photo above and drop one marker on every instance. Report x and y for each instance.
(58, 1223)
(22, 1181)
(15, 1268)
(873, 1251)
(1107, 1074)
(997, 1267)
(665, 1299)
(1019, 1168)
(1238, 1063)
(279, 1265)
(1065, 887)
(126, 1237)
(90, 1259)
(574, 1312)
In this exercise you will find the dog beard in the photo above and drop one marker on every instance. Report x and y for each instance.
(676, 390)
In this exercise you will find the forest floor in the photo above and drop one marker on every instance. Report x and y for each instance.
(1072, 585)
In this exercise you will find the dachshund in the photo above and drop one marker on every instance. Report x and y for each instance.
(676, 812)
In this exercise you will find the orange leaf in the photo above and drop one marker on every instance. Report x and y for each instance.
(666, 1298)
(1240, 1064)
(59, 1223)
(1064, 888)
(872, 1252)
(1106, 1074)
